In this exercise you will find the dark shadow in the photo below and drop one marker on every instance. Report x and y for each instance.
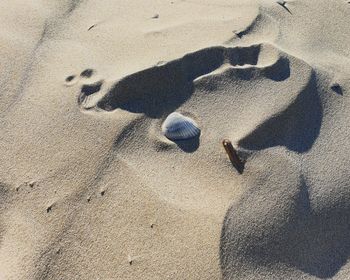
(239, 168)
(304, 198)
(162, 89)
(337, 89)
(246, 74)
(159, 90)
(188, 145)
(91, 89)
(321, 245)
(244, 55)
(278, 71)
(316, 242)
(153, 91)
(296, 128)
(203, 62)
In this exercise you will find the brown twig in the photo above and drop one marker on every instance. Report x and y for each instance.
(232, 154)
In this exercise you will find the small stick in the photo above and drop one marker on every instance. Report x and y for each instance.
(232, 154)
(283, 4)
(92, 26)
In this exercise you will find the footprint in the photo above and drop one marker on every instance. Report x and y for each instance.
(90, 87)
(90, 94)
(173, 82)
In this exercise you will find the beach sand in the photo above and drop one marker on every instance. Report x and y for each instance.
(90, 188)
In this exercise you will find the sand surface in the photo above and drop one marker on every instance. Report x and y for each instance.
(90, 188)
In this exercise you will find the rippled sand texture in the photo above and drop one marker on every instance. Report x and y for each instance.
(91, 189)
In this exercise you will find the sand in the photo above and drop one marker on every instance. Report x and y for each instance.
(90, 188)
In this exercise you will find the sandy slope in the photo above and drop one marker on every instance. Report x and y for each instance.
(91, 189)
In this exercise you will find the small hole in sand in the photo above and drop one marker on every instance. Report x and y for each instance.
(49, 209)
(87, 73)
(337, 88)
(70, 78)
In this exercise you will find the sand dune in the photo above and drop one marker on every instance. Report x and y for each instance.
(90, 188)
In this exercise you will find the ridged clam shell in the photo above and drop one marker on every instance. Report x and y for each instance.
(179, 127)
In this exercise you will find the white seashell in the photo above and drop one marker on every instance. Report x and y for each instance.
(179, 127)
